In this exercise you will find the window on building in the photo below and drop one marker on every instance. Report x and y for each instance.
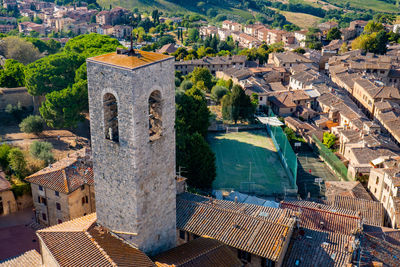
(86, 199)
(261, 98)
(155, 116)
(244, 255)
(57, 193)
(40, 188)
(42, 200)
(83, 201)
(38, 199)
(375, 190)
(58, 206)
(44, 217)
(377, 180)
(1, 206)
(59, 221)
(110, 107)
(82, 187)
(182, 234)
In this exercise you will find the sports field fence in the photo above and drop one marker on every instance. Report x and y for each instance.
(284, 149)
(330, 158)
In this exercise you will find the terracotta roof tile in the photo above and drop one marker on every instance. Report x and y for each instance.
(198, 253)
(371, 212)
(249, 233)
(323, 217)
(81, 242)
(66, 175)
(30, 258)
(318, 248)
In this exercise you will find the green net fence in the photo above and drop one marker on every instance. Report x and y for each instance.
(330, 158)
(285, 151)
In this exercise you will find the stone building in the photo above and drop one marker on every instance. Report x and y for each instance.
(64, 190)
(214, 64)
(14, 96)
(7, 199)
(132, 115)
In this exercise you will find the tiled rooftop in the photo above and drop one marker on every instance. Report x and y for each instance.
(323, 217)
(371, 212)
(198, 253)
(317, 248)
(81, 242)
(253, 234)
(129, 62)
(30, 258)
(66, 175)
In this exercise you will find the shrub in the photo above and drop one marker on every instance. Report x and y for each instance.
(42, 151)
(186, 85)
(217, 92)
(32, 124)
(17, 162)
(4, 151)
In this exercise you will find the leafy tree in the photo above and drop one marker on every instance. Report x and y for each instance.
(237, 105)
(217, 92)
(52, 73)
(166, 39)
(17, 162)
(198, 160)
(385, 18)
(42, 151)
(193, 35)
(32, 124)
(63, 108)
(15, 111)
(12, 74)
(19, 49)
(180, 53)
(333, 34)
(375, 42)
(373, 26)
(192, 114)
(329, 139)
(186, 85)
(4, 151)
(89, 45)
(204, 75)
(299, 50)
(225, 83)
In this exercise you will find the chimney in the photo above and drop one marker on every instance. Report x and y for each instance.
(236, 199)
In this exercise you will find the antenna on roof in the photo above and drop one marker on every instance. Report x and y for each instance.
(129, 52)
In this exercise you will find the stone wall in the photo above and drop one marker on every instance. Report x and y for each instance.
(8, 202)
(135, 178)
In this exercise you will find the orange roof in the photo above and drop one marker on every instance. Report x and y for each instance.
(130, 62)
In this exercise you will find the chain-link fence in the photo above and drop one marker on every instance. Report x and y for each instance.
(285, 151)
(330, 158)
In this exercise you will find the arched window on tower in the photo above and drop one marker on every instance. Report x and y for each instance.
(155, 116)
(110, 108)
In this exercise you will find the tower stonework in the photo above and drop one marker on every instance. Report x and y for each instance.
(132, 117)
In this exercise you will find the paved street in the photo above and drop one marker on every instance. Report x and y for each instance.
(16, 236)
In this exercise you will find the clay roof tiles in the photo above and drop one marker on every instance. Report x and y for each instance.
(317, 248)
(66, 175)
(234, 228)
(81, 242)
(30, 258)
(198, 253)
(372, 212)
(323, 217)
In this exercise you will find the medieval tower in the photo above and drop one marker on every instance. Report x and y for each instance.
(132, 115)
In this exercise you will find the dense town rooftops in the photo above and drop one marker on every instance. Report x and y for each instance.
(130, 62)
(318, 248)
(214, 60)
(291, 57)
(200, 252)
(251, 233)
(66, 175)
(323, 217)
(371, 212)
(348, 189)
(82, 242)
(29, 258)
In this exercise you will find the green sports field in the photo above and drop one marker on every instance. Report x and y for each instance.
(248, 162)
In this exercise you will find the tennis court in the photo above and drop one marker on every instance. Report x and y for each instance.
(248, 162)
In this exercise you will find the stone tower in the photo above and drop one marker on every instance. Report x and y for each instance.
(132, 115)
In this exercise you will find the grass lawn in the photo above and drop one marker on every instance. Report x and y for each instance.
(302, 20)
(375, 5)
(248, 162)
